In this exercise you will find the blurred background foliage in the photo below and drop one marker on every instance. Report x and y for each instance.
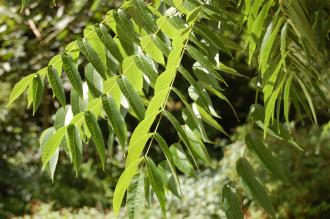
(28, 39)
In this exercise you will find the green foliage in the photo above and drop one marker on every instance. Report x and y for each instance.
(134, 56)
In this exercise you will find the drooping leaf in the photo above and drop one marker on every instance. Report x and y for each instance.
(166, 150)
(146, 67)
(107, 40)
(156, 183)
(56, 84)
(168, 179)
(72, 72)
(96, 134)
(52, 145)
(145, 15)
(133, 98)
(117, 122)
(51, 166)
(181, 161)
(77, 104)
(123, 183)
(92, 56)
(37, 91)
(255, 144)
(75, 145)
(94, 81)
(231, 203)
(253, 185)
(135, 197)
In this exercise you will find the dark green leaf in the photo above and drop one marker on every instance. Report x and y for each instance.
(75, 145)
(254, 187)
(133, 98)
(231, 203)
(56, 84)
(92, 56)
(117, 122)
(94, 129)
(72, 72)
(37, 91)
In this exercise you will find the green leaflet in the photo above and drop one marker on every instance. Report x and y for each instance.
(95, 106)
(165, 24)
(231, 203)
(204, 61)
(72, 72)
(93, 40)
(75, 145)
(60, 118)
(255, 144)
(197, 122)
(253, 186)
(117, 122)
(140, 137)
(96, 134)
(123, 183)
(156, 183)
(56, 84)
(146, 66)
(284, 33)
(181, 133)
(164, 147)
(168, 180)
(257, 28)
(111, 87)
(104, 35)
(77, 105)
(181, 161)
(133, 98)
(224, 68)
(270, 107)
(206, 117)
(286, 98)
(197, 145)
(136, 148)
(57, 63)
(192, 17)
(51, 166)
(150, 47)
(124, 26)
(135, 197)
(37, 91)
(92, 56)
(72, 49)
(185, 73)
(268, 44)
(94, 81)
(133, 74)
(212, 37)
(52, 145)
(143, 13)
(19, 88)
(309, 100)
